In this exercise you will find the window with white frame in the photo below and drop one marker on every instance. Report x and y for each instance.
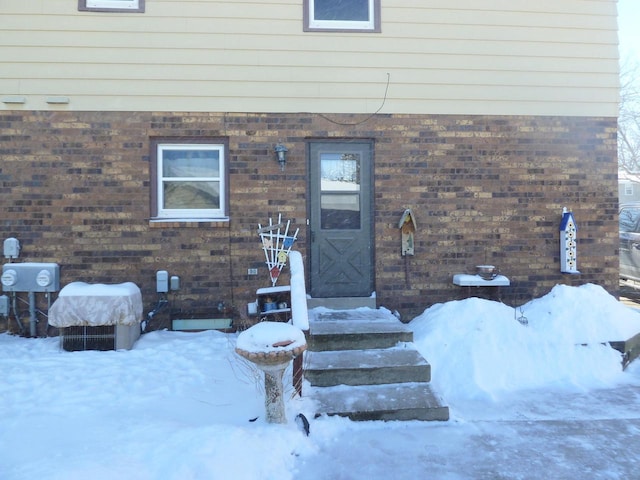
(111, 5)
(190, 181)
(628, 188)
(345, 15)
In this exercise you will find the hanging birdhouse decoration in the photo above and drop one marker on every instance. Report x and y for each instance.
(407, 228)
(568, 243)
(276, 244)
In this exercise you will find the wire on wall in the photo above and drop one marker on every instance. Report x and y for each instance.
(348, 124)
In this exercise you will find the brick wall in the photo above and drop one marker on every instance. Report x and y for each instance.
(75, 190)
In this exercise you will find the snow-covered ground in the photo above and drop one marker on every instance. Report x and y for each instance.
(547, 400)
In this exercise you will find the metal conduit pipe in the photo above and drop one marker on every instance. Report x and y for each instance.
(33, 320)
(162, 303)
(16, 313)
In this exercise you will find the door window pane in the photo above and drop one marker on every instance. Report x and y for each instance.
(340, 211)
(340, 191)
(340, 172)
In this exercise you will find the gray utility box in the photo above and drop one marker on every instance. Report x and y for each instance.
(30, 277)
(4, 306)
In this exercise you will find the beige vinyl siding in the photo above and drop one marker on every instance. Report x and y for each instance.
(549, 57)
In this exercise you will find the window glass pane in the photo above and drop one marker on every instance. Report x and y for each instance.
(191, 195)
(345, 10)
(629, 219)
(340, 191)
(340, 211)
(190, 181)
(340, 172)
(191, 163)
(115, 4)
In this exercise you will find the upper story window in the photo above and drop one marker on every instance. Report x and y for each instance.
(189, 181)
(111, 5)
(344, 15)
(628, 188)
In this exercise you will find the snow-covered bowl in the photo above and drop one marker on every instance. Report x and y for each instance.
(271, 343)
(271, 346)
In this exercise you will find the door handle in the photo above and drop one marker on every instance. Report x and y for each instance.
(313, 236)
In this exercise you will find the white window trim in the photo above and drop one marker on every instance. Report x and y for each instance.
(116, 5)
(191, 214)
(342, 24)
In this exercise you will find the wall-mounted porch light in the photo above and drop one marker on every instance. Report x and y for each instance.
(281, 155)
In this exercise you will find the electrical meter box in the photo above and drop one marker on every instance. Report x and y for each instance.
(162, 281)
(30, 277)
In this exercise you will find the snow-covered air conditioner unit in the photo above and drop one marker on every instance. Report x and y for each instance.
(97, 316)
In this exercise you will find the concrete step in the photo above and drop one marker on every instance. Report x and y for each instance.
(402, 401)
(355, 330)
(342, 303)
(362, 364)
(366, 367)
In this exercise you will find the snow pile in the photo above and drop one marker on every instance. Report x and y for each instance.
(186, 406)
(177, 406)
(478, 347)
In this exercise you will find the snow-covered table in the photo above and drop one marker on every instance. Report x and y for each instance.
(82, 304)
(468, 280)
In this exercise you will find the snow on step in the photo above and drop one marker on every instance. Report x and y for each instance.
(365, 367)
(404, 401)
(372, 358)
(358, 329)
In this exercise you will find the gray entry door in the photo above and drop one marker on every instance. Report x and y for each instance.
(340, 219)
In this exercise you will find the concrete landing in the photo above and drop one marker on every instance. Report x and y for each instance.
(356, 329)
(342, 303)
